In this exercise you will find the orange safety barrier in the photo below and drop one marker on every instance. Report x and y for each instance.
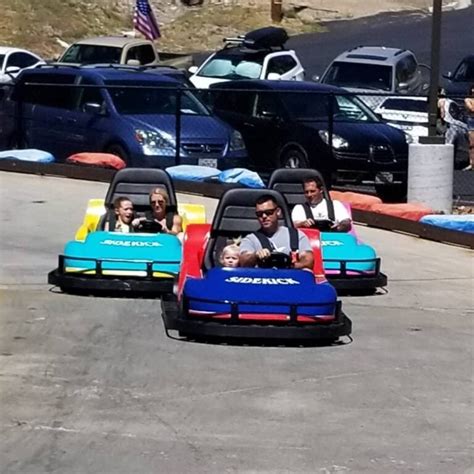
(363, 202)
(103, 160)
(412, 212)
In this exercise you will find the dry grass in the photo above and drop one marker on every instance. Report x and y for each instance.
(36, 24)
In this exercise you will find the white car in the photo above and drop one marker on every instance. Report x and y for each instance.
(14, 60)
(409, 114)
(260, 54)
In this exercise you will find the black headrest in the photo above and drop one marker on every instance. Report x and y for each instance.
(136, 184)
(289, 182)
(236, 211)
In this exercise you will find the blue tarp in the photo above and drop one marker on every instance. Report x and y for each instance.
(192, 172)
(241, 176)
(38, 156)
(463, 222)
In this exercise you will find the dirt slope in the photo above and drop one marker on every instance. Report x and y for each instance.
(41, 25)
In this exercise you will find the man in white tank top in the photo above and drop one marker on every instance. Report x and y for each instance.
(313, 192)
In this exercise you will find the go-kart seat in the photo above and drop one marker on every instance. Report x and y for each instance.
(289, 182)
(136, 184)
(235, 217)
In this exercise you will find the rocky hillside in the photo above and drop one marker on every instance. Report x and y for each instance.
(43, 25)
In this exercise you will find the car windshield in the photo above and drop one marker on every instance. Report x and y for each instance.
(2, 58)
(91, 54)
(361, 76)
(232, 66)
(406, 105)
(152, 98)
(465, 72)
(316, 106)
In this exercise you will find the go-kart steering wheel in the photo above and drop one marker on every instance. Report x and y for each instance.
(276, 260)
(150, 226)
(324, 225)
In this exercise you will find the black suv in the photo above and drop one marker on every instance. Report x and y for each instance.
(288, 124)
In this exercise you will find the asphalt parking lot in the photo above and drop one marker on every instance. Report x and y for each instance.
(93, 385)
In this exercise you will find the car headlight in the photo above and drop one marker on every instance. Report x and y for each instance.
(409, 138)
(156, 143)
(236, 141)
(338, 142)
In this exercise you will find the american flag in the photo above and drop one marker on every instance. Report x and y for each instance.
(144, 20)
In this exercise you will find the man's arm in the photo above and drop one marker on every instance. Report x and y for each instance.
(305, 261)
(251, 252)
(305, 253)
(344, 226)
(298, 217)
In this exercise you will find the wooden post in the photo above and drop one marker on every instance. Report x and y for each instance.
(276, 10)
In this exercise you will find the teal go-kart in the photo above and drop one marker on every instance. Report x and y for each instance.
(275, 302)
(113, 262)
(349, 264)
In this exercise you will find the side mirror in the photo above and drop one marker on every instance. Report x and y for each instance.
(193, 69)
(273, 76)
(92, 108)
(12, 70)
(133, 62)
(268, 114)
(402, 87)
(316, 78)
(448, 75)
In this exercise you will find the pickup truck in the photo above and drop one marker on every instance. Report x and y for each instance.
(121, 50)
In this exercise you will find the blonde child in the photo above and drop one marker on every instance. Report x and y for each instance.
(229, 257)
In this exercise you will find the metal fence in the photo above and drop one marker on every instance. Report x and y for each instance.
(169, 125)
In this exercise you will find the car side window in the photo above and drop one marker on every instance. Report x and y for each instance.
(89, 94)
(281, 64)
(406, 69)
(49, 94)
(235, 101)
(21, 60)
(143, 53)
(266, 105)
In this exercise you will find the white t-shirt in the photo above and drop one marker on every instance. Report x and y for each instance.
(320, 212)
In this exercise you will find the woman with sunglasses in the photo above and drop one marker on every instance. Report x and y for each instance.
(158, 216)
(252, 252)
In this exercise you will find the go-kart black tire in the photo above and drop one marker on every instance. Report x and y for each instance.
(119, 151)
(293, 158)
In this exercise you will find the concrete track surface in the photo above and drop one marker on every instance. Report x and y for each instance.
(93, 385)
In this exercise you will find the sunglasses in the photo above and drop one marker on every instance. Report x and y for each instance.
(267, 212)
(159, 201)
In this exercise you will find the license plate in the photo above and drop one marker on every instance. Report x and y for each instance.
(384, 177)
(210, 162)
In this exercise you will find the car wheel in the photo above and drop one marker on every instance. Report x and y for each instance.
(293, 158)
(119, 151)
(391, 192)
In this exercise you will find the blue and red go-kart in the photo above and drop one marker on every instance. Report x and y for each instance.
(275, 303)
(349, 264)
(106, 261)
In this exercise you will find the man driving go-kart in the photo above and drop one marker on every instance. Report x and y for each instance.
(274, 243)
(317, 212)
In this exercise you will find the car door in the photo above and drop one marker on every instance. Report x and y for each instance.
(284, 64)
(237, 107)
(85, 130)
(408, 74)
(46, 105)
(21, 60)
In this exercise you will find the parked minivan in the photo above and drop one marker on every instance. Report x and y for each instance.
(132, 115)
(288, 124)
